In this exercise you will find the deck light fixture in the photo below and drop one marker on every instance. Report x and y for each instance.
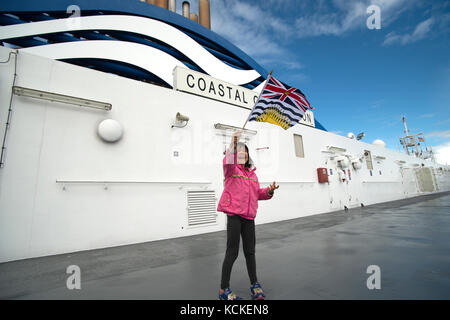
(56, 97)
(336, 149)
(220, 126)
(181, 121)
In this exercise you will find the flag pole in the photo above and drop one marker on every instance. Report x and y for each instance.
(270, 73)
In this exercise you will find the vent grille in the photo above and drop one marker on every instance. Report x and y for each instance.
(201, 207)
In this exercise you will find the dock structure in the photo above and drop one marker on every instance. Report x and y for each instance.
(326, 256)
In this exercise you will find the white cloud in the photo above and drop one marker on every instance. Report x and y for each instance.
(441, 122)
(377, 104)
(343, 16)
(420, 32)
(251, 25)
(257, 30)
(427, 115)
(250, 28)
(442, 153)
(265, 29)
(392, 9)
(319, 24)
(440, 134)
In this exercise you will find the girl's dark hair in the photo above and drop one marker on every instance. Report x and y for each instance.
(247, 163)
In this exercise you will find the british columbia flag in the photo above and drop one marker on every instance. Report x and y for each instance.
(279, 104)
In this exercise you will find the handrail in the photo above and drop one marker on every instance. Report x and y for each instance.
(130, 181)
(265, 182)
(381, 182)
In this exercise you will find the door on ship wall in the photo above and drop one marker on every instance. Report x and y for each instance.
(352, 188)
(409, 182)
(426, 179)
(337, 190)
(344, 189)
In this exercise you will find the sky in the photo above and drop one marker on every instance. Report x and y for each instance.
(358, 79)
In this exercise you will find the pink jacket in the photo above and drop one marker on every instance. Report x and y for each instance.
(242, 191)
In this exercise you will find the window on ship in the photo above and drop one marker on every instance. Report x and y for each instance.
(368, 157)
(298, 143)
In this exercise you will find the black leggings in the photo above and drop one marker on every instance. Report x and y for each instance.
(236, 227)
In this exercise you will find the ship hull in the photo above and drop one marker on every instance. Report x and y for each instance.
(64, 189)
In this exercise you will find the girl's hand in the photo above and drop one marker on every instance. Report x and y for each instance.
(234, 140)
(272, 188)
(237, 136)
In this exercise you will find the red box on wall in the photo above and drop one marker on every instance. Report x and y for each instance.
(322, 173)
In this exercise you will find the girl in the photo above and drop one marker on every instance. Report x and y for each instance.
(239, 201)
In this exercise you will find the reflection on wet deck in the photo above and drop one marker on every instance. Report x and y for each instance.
(318, 257)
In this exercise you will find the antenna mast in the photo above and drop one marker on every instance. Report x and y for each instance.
(411, 144)
(406, 128)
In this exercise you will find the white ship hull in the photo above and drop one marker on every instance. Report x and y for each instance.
(63, 189)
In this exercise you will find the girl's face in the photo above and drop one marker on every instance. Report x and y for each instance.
(242, 155)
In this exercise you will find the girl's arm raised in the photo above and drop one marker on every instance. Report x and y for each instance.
(234, 140)
(230, 159)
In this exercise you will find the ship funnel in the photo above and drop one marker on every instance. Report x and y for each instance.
(173, 5)
(194, 17)
(163, 3)
(186, 9)
(205, 13)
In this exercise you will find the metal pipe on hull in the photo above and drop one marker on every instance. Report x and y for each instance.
(186, 9)
(173, 5)
(205, 13)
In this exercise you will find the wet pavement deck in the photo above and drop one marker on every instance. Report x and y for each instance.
(323, 256)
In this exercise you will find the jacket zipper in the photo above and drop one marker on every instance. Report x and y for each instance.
(249, 195)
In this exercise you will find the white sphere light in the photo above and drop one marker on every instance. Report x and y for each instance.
(342, 162)
(351, 135)
(380, 143)
(110, 130)
(356, 164)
